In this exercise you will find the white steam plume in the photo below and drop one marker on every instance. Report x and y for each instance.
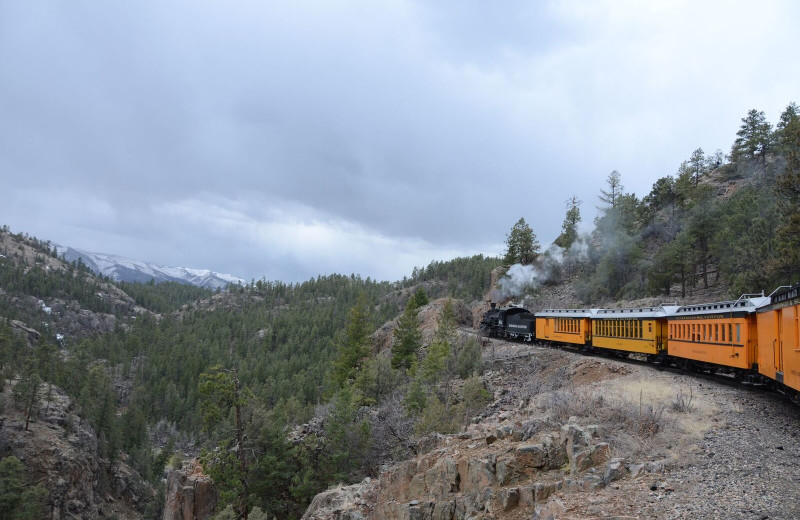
(520, 278)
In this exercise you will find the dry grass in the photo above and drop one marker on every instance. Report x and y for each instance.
(683, 402)
(631, 427)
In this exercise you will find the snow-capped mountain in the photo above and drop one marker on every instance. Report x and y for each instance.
(124, 269)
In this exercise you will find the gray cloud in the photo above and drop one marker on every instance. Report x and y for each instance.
(287, 140)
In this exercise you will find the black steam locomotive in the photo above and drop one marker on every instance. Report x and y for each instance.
(509, 322)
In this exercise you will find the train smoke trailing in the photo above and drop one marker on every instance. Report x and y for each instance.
(517, 279)
(520, 278)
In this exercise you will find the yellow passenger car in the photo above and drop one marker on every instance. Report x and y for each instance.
(642, 330)
(779, 339)
(718, 336)
(570, 326)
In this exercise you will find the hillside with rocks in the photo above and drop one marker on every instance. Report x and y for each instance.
(54, 298)
(59, 451)
(569, 436)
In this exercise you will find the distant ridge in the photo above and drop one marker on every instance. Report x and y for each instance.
(123, 269)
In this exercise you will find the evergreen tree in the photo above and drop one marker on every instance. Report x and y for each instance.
(353, 344)
(786, 265)
(419, 299)
(407, 337)
(18, 501)
(697, 165)
(615, 187)
(222, 394)
(753, 138)
(569, 228)
(521, 245)
(787, 129)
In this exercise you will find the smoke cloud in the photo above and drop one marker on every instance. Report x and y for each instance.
(548, 268)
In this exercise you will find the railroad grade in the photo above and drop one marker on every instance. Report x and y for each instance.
(753, 342)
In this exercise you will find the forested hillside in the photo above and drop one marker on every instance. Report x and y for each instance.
(165, 371)
(139, 383)
(729, 223)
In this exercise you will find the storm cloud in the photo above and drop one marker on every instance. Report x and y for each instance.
(289, 139)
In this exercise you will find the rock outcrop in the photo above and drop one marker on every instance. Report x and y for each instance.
(383, 338)
(59, 451)
(481, 474)
(190, 494)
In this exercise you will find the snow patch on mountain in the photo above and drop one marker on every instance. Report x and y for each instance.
(124, 269)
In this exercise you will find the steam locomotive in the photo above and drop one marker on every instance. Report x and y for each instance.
(755, 339)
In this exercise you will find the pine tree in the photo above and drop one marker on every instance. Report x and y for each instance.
(753, 138)
(787, 129)
(615, 188)
(786, 266)
(221, 393)
(697, 165)
(407, 337)
(353, 343)
(569, 228)
(521, 244)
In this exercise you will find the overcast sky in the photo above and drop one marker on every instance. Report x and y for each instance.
(289, 139)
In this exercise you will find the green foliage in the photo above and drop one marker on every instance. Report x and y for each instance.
(346, 442)
(17, 278)
(467, 358)
(419, 299)
(416, 398)
(788, 130)
(377, 380)
(785, 266)
(467, 278)
(164, 296)
(353, 344)
(745, 240)
(474, 396)
(19, 501)
(222, 465)
(569, 228)
(615, 187)
(521, 245)
(439, 417)
(754, 137)
(433, 364)
(407, 338)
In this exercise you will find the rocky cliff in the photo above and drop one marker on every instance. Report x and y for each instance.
(190, 494)
(570, 436)
(59, 451)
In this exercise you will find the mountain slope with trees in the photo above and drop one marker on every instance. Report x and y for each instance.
(284, 389)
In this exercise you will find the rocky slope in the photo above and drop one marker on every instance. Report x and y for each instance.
(190, 494)
(61, 316)
(569, 436)
(59, 451)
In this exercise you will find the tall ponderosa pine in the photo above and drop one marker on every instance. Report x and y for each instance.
(521, 245)
(787, 129)
(786, 265)
(753, 138)
(697, 165)
(615, 187)
(221, 393)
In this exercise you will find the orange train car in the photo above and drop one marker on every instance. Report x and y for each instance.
(720, 337)
(779, 340)
(569, 326)
(641, 330)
